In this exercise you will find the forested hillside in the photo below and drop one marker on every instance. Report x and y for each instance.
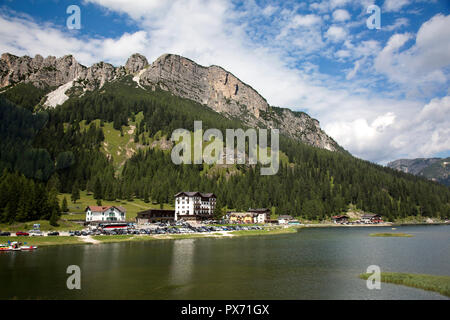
(312, 183)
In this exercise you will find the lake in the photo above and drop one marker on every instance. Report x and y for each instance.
(314, 263)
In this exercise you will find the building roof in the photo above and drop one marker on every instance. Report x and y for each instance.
(285, 216)
(370, 215)
(141, 214)
(104, 208)
(340, 217)
(195, 193)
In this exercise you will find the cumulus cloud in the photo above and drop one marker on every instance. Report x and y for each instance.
(400, 22)
(395, 5)
(417, 132)
(22, 36)
(418, 68)
(336, 34)
(341, 15)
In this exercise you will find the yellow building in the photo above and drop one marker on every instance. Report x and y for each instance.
(241, 217)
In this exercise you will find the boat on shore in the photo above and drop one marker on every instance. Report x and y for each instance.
(16, 246)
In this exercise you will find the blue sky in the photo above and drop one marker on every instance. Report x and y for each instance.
(382, 94)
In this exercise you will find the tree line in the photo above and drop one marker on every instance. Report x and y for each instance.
(312, 183)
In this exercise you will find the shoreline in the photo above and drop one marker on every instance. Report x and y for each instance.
(46, 241)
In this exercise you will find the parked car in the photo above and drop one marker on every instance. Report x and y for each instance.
(53, 233)
(35, 233)
(21, 233)
(5, 234)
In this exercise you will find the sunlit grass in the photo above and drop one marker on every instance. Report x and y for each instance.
(440, 284)
(77, 209)
(44, 241)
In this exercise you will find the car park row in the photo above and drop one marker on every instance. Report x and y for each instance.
(161, 228)
(147, 229)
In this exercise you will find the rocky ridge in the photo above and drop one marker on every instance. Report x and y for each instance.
(436, 169)
(212, 86)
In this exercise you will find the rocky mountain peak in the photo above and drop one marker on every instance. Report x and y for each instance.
(136, 63)
(212, 86)
(48, 72)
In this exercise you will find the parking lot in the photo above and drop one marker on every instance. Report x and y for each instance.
(160, 228)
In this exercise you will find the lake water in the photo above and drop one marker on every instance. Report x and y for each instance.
(314, 263)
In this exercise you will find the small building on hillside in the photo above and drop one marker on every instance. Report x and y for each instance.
(340, 219)
(284, 219)
(105, 214)
(240, 217)
(155, 215)
(260, 215)
(251, 216)
(194, 206)
(370, 218)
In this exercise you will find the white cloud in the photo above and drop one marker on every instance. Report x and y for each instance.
(305, 20)
(341, 15)
(400, 22)
(395, 5)
(353, 72)
(24, 37)
(418, 68)
(336, 34)
(417, 132)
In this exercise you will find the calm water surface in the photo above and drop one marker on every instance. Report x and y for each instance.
(321, 263)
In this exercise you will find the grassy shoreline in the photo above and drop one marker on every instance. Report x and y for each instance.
(45, 241)
(67, 240)
(439, 284)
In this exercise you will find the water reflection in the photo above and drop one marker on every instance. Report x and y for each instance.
(182, 265)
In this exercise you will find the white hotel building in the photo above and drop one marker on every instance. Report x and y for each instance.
(105, 214)
(194, 205)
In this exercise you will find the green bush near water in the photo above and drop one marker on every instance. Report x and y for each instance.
(440, 284)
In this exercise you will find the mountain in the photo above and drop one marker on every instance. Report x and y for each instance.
(105, 129)
(436, 169)
(220, 90)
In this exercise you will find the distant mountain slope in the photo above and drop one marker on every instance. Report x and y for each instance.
(62, 78)
(436, 169)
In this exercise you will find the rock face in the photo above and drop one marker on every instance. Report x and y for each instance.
(436, 169)
(212, 86)
(136, 63)
(225, 93)
(41, 72)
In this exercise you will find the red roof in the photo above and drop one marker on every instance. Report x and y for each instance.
(104, 208)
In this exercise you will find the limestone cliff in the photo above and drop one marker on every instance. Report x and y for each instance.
(212, 86)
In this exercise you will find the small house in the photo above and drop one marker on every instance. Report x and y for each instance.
(340, 219)
(105, 214)
(284, 219)
(241, 217)
(371, 218)
(260, 215)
